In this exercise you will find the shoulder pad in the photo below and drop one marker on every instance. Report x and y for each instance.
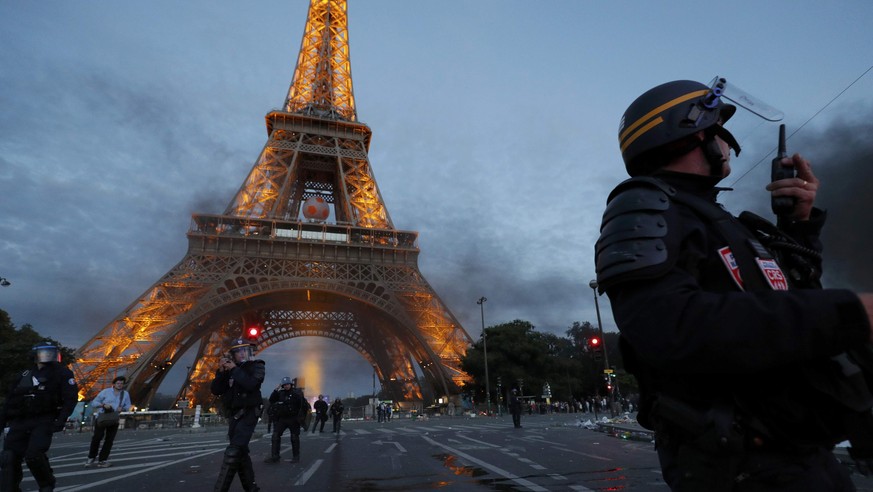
(633, 230)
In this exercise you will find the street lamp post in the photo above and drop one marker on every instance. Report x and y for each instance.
(481, 303)
(593, 285)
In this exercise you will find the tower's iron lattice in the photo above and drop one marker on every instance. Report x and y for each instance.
(352, 278)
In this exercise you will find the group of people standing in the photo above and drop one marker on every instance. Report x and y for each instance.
(383, 412)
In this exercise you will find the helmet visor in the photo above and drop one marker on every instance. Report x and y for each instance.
(242, 353)
(47, 354)
(731, 92)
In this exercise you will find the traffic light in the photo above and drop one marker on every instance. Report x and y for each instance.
(595, 345)
(252, 332)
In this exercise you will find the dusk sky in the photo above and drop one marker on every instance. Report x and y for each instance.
(494, 136)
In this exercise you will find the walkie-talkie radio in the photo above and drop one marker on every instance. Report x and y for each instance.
(782, 205)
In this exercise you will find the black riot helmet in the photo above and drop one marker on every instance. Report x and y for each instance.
(45, 352)
(244, 346)
(655, 126)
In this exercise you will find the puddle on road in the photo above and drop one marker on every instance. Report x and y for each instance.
(500, 484)
(450, 462)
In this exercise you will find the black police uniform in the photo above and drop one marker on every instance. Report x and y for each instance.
(291, 408)
(515, 409)
(240, 391)
(320, 415)
(721, 351)
(336, 410)
(37, 405)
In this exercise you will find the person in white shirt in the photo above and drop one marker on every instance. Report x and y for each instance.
(113, 399)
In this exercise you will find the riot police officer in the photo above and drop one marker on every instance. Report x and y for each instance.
(708, 303)
(238, 382)
(320, 413)
(37, 405)
(291, 408)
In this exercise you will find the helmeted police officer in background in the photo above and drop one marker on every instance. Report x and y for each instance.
(750, 373)
(37, 405)
(515, 408)
(320, 413)
(238, 383)
(291, 408)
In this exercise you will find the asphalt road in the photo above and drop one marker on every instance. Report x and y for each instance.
(550, 452)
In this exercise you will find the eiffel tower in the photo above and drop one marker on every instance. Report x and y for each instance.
(305, 248)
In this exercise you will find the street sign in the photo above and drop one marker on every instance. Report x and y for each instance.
(608, 371)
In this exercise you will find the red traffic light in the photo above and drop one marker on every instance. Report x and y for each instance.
(253, 332)
(594, 342)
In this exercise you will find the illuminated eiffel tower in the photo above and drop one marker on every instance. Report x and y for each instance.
(305, 248)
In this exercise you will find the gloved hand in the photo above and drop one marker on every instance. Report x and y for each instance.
(58, 425)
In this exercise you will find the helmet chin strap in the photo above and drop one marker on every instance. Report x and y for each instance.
(714, 156)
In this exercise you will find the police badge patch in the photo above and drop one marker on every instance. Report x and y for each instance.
(72, 382)
(773, 274)
(731, 263)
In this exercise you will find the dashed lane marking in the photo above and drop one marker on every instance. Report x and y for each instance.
(587, 455)
(308, 473)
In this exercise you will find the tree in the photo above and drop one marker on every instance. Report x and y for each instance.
(15, 356)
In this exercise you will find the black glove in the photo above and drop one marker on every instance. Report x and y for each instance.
(58, 425)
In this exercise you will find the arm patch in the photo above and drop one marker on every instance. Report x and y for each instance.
(632, 235)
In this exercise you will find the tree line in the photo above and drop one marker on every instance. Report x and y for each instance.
(522, 358)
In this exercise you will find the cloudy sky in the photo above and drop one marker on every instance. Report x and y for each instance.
(494, 136)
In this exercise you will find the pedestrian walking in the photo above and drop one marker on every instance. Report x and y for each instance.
(291, 410)
(707, 302)
(238, 382)
(336, 412)
(320, 413)
(37, 405)
(107, 406)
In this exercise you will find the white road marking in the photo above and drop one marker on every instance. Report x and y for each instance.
(127, 475)
(592, 456)
(478, 441)
(308, 473)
